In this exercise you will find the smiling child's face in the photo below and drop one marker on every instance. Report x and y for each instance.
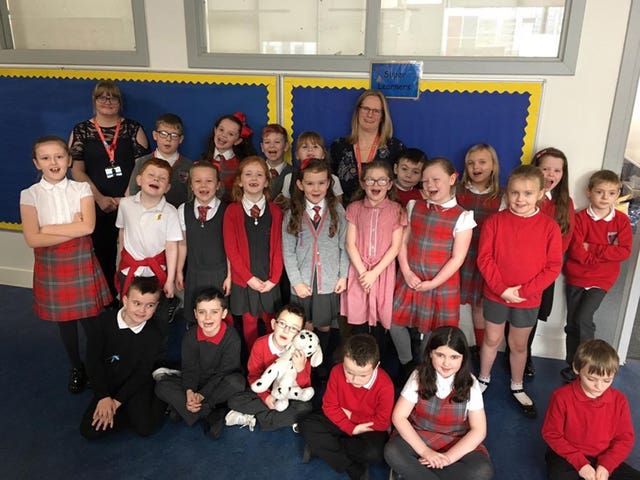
(153, 181)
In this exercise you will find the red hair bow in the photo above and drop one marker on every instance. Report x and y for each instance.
(245, 131)
(305, 163)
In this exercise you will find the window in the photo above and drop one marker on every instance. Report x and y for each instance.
(449, 36)
(82, 32)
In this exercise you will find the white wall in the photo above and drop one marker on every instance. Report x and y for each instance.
(574, 117)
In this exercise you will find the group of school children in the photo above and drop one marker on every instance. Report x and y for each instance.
(231, 249)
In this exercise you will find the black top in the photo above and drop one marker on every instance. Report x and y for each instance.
(88, 148)
(120, 362)
(345, 167)
(205, 364)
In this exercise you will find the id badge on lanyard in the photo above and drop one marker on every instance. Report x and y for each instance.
(112, 170)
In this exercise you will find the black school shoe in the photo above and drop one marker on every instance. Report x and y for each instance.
(530, 411)
(77, 380)
(214, 423)
(568, 375)
(529, 368)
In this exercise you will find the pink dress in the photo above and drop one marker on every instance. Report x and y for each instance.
(374, 227)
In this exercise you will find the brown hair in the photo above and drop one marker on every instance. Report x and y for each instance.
(598, 356)
(362, 349)
(170, 119)
(494, 178)
(526, 172)
(603, 176)
(385, 129)
(48, 139)
(237, 192)
(391, 193)
(297, 204)
(560, 194)
(107, 87)
(311, 137)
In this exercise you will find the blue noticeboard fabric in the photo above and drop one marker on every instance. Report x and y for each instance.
(35, 106)
(442, 122)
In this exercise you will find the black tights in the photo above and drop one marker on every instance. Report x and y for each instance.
(69, 335)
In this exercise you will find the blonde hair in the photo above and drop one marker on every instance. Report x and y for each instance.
(385, 129)
(494, 178)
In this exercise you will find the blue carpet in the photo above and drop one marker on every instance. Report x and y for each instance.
(40, 438)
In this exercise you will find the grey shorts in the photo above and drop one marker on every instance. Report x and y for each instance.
(499, 313)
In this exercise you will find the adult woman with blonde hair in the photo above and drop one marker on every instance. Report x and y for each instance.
(371, 138)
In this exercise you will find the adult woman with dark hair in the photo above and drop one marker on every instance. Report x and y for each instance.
(104, 149)
(371, 139)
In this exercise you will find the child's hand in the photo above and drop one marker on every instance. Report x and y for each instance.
(180, 281)
(412, 279)
(587, 472)
(586, 246)
(433, 459)
(367, 279)
(255, 283)
(168, 289)
(347, 412)
(302, 290)
(602, 473)
(341, 285)
(308, 325)
(362, 428)
(425, 286)
(103, 414)
(299, 360)
(267, 286)
(226, 286)
(512, 295)
(270, 402)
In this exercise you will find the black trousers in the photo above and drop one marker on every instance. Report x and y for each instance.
(581, 307)
(559, 469)
(337, 448)
(105, 246)
(249, 402)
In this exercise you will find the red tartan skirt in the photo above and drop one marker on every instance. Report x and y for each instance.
(68, 283)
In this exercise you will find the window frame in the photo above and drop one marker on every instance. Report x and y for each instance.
(136, 58)
(563, 64)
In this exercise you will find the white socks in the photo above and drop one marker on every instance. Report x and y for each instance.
(517, 390)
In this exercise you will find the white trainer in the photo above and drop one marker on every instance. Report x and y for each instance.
(242, 419)
(161, 372)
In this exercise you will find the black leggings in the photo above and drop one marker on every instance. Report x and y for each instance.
(69, 335)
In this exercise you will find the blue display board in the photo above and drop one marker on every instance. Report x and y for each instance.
(447, 119)
(35, 103)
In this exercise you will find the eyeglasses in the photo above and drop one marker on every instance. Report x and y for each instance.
(284, 326)
(107, 99)
(164, 135)
(371, 111)
(383, 182)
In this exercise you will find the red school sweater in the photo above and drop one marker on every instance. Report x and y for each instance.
(365, 404)
(516, 250)
(609, 245)
(576, 426)
(261, 358)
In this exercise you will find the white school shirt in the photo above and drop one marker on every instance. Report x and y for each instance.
(169, 158)
(55, 204)
(147, 231)
(248, 204)
(122, 325)
(214, 204)
(444, 387)
(464, 222)
(309, 207)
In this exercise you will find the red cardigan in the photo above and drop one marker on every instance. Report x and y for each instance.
(609, 245)
(236, 244)
(576, 426)
(366, 405)
(516, 250)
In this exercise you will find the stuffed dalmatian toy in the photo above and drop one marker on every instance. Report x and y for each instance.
(281, 375)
